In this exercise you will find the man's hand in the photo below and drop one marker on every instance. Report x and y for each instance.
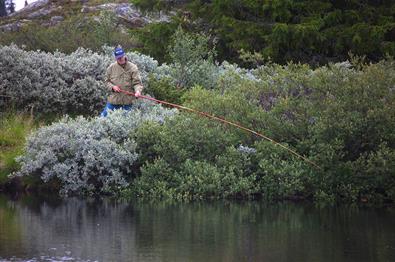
(137, 94)
(116, 89)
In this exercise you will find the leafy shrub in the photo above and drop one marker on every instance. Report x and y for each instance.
(59, 83)
(164, 89)
(340, 116)
(376, 174)
(280, 174)
(191, 180)
(183, 137)
(88, 155)
(192, 59)
(186, 158)
(155, 39)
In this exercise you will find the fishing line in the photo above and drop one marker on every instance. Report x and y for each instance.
(226, 122)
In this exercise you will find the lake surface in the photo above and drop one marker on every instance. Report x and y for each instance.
(39, 229)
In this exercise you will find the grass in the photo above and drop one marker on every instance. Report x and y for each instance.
(14, 128)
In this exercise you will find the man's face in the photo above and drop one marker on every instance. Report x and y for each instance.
(121, 60)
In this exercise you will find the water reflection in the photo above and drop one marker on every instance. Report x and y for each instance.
(105, 230)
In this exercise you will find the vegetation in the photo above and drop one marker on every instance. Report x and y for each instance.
(72, 33)
(341, 116)
(314, 32)
(86, 155)
(55, 83)
(334, 115)
(14, 129)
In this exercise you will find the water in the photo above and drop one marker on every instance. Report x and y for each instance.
(33, 229)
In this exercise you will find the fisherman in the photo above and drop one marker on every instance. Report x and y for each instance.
(122, 75)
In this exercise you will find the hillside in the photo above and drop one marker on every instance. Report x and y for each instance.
(252, 32)
(246, 32)
(52, 12)
(67, 25)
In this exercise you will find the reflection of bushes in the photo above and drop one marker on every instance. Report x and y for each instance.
(9, 227)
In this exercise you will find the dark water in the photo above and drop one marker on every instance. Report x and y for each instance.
(33, 229)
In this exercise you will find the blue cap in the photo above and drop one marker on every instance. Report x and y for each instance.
(118, 52)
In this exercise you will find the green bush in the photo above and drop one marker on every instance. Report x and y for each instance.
(280, 174)
(155, 38)
(184, 137)
(158, 180)
(191, 57)
(191, 180)
(340, 116)
(164, 89)
(187, 158)
(304, 31)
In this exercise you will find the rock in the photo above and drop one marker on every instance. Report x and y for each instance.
(88, 9)
(13, 27)
(46, 24)
(161, 16)
(131, 15)
(110, 6)
(127, 14)
(57, 18)
(30, 7)
(43, 11)
(39, 13)
(135, 22)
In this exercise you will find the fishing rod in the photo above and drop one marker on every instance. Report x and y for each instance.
(223, 121)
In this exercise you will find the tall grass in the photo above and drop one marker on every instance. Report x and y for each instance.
(14, 128)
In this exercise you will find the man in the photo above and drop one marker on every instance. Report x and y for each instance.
(122, 75)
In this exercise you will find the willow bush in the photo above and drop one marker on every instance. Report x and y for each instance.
(88, 155)
(340, 116)
(56, 82)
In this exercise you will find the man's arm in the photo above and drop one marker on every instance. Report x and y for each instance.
(109, 85)
(136, 81)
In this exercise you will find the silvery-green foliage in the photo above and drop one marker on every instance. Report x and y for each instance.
(83, 94)
(226, 69)
(73, 83)
(88, 155)
(57, 82)
(47, 82)
(230, 76)
(192, 60)
(163, 71)
(246, 149)
(204, 73)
